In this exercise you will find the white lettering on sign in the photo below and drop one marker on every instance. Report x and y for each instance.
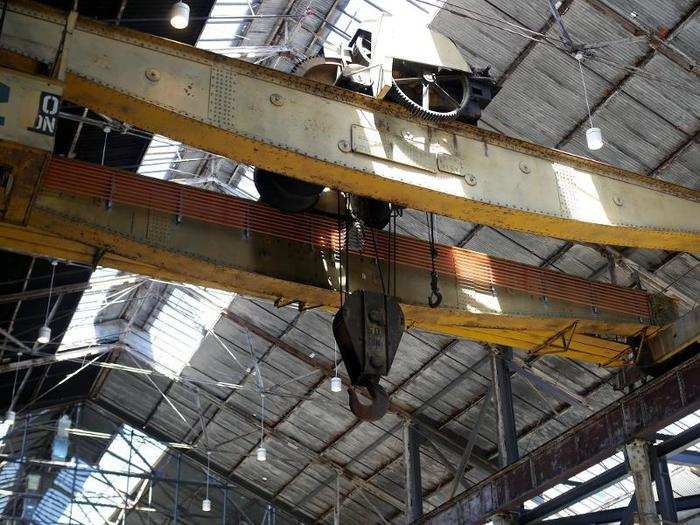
(47, 118)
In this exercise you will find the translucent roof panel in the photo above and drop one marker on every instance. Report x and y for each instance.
(102, 494)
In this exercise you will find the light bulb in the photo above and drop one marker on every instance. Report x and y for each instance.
(44, 335)
(180, 15)
(10, 417)
(594, 139)
(206, 505)
(336, 384)
(261, 454)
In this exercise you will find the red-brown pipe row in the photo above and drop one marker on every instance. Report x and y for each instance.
(471, 270)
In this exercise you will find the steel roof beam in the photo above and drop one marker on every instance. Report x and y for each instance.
(655, 40)
(644, 411)
(67, 355)
(331, 136)
(197, 457)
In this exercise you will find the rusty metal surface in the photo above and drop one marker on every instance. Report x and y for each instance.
(471, 269)
(651, 407)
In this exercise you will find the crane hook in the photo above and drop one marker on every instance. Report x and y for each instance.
(376, 409)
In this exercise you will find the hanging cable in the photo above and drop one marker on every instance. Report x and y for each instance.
(54, 263)
(594, 137)
(106, 130)
(579, 58)
(261, 452)
(45, 331)
(435, 298)
(206, 502)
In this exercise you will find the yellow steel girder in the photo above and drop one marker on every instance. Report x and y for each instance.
(152, 243)
(355, 143)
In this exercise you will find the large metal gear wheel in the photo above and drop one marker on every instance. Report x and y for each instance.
(319, 68)
(429, 92)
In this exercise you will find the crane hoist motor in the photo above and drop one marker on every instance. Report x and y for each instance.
(396, 59)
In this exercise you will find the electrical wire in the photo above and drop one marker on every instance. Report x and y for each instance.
(54, 263)
(585, 92)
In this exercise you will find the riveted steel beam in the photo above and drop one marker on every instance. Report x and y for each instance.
(243, 246)
(644, 411)
(351, 142)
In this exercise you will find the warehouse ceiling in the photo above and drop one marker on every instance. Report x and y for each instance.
(210, 353)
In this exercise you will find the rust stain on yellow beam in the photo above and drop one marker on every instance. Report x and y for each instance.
(159, 263)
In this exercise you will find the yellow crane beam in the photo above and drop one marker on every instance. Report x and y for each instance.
(90, 214)
(348, 141)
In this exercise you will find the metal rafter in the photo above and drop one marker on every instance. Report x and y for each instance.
(636, 29)
(620, 85)
(647, 409)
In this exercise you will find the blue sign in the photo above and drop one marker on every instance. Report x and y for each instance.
(4, 99)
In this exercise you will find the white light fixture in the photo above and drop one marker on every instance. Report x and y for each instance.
(594, 136)
(33, 482)
(336, 384)
(10, 417)
(180, 15)
(261, 452)
(44, 335)
(206, 505)
(594, 139)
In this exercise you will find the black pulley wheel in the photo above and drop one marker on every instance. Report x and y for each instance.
(284, 193)
(371, 212)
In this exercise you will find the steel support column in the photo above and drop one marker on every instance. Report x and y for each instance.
(414, 485)
(664, 490)
(639, 458)
(501, 361)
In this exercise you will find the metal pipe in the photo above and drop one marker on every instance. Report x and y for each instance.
(501, 358)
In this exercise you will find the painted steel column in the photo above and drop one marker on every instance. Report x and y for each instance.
(501, 357)
(638, 455)
(664, 490)
(501, 361)
(414, 485)
(177, 488)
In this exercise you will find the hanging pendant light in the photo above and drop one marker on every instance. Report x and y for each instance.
(261, 452)
(594, 136)
(336, 382)
(206, 502)
(44, 335)
(180, 15)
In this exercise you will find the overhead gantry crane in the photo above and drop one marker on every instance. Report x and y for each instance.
(323, 134)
